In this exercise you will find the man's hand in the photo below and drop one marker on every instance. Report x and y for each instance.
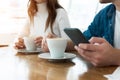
(100, 54)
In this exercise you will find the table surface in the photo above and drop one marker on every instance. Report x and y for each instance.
(20, 66)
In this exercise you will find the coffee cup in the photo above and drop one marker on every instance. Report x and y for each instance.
(29, 44)
(57, 47)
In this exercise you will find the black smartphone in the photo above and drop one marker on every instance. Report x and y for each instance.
(75, 35)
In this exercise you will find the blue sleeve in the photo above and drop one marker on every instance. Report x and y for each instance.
(96, 28)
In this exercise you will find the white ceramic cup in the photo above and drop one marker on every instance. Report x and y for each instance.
(57, 47)
(29, 43)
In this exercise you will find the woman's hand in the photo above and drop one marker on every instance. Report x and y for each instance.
(44, 42)
(100, 54)
(19, 44)
(38, 41)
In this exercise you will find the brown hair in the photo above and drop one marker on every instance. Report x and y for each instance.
(52, 5)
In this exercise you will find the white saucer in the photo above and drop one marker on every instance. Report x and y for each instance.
(48, 56)
(29, 51)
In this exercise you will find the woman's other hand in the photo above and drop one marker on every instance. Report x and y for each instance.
(44, 42)
(19, 44)
(38, 41)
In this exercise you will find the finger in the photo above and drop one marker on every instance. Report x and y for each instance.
(45, 48)
(50, 35)
(38, 44)
(38, 41)
(88, 55)
(43, 43)
(15, 46)
(20, 40)
(97, 40)
(89, 47)
(83, 53)
(19, 45)
(39, 38)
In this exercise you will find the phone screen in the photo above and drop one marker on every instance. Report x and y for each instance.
(75, 35)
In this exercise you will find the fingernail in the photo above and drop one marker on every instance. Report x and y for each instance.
(75, 47)
(21, 46)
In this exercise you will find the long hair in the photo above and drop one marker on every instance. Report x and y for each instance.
(52, 5)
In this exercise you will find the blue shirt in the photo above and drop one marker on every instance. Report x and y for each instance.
(103, 24)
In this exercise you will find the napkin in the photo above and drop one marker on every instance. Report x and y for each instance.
(115, 75)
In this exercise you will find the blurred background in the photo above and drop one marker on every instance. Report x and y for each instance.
(14, 12)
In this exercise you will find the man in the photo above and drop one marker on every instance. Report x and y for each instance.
(105, 31)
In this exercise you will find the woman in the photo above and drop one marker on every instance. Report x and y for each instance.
(47, 18)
